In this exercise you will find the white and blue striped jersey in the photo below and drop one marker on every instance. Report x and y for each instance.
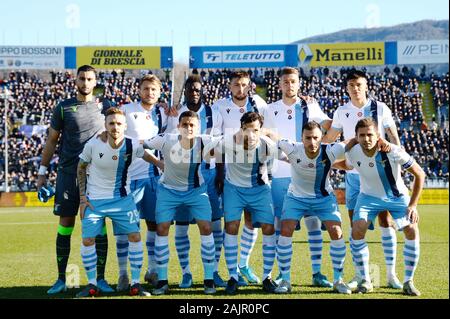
(380, 175)
(346, 116)
(143, 125)
(246, 168)
(109, 168)
(232, 113)
(288, 122)
(181, 166)
(311, 177)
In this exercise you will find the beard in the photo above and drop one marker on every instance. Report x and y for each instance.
(240, 98)
(83, 92)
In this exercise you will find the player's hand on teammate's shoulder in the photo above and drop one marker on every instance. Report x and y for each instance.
(169, 111)
(384, 146)
(308, 99)
(160, 165)
(103, 136)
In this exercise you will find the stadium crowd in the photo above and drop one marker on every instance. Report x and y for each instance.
(32, 101)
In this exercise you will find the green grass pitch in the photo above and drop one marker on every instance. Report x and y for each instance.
(28, 262)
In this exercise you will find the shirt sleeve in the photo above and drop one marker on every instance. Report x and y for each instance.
(403, 158)
(138, 149)
(286, 146)
(217, 122)
(316, 114)
(348, 159)
(57, 122)
(338, 151)
(336, 124)
(86, 154)
(156, 143)
(388, 120)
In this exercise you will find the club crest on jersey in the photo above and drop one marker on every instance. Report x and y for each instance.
(148, 117)
(101, 155)
(372, 164)
(114, 157)
(289, 111)
(359, 114)
(241, 110)
(311, 165)
(347, 114)
(359, 163)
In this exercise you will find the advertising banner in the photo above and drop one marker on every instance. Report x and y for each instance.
(31, 57)
(249, 56)
(422, 52)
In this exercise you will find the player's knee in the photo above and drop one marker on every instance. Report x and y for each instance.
(151, 226)
(384, 219)
(232, 228)
(205, 229)
(67, 221)
(88, 241)
(134, 237)
(268, 229)
(411, 232)
(162, 229)
(335, 232)
(358, 232)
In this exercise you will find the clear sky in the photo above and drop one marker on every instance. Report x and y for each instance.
(182, 23)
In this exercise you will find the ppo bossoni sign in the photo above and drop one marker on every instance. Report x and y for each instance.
(31, 57)
(125, 57)
(341, 54)
(243, 56)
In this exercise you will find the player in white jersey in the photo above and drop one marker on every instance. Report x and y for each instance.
(145, 119)
(344, 120)
(247, 185)
(211, 124)
(310, 193)
(232, 109)
(183, 185)
(287, 117)
(382, 187)
(107, 194)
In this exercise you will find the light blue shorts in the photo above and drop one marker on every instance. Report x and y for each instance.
(182, 214)
(144, 192)
(368, 207)
(352, 187)
(195, 202)
(280, 188)
(122, 212)
(325, 208)
(257, 200)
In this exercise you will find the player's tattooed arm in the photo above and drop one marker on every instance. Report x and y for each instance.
(393, 135)
(81, 176)
(150, 158)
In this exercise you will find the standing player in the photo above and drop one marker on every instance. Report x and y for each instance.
(247, 155)
(287, 117)
(183, 185)
(75, 120)
(382, 187)
(232, 109)
(107, 194)
(344, 121)
(210, 124)
(145, 119)
(310, 193)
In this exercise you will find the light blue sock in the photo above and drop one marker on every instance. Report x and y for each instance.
(208, 255)
(89, 258)
(231, 252)
(183, 246)
(269, 249)
(162, 255)
(136, 256)
(284, 257)
(337, 253)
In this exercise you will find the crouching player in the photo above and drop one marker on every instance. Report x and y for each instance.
(182, 185)
(247, 154)
(382, 188)
(107, 194)
(310, 193)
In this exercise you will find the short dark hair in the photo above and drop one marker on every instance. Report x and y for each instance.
(355, 74)
(311, 126)
(193, 78)
(365, 122)
(250, 117)
(187, 114)
(239, 75)
(86, 68)
(289, 71)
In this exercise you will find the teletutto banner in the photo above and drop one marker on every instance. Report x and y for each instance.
(422, 52)
(122, 57)
(248, 56)
(31, 57)
(341, 54)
